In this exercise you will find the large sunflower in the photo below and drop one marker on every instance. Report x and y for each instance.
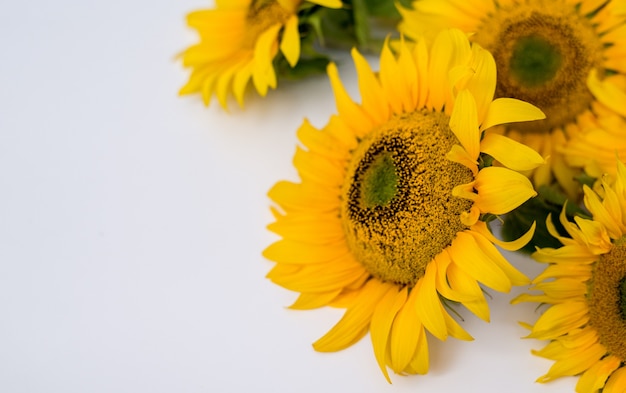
(238, 42)
(545, 51)
(386, 221)
(585, 286)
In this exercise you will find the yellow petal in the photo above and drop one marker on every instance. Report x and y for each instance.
(461, 156)
(494, 256)
(482, 81)
(510, 110)
(290, 44)
(428, 306)
(450, 49)
(292, 252)
(443, 261)
(327, 3)
(309, 301)
(514, 245)
(465, 284)
(352, 113)
(600, 213)
(616, 382)
(464, 123)
(607, 93)
(405, 335)
(380, 327)
(510, 153)
(560, 319)
(372, 93)
(573, 365)
(420, 362)
(501, 190)
(263, 75)
(469, 257)
(354, 324)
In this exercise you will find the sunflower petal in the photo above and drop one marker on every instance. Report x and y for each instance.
(382, 321)
(510, 110)
(290, 44)
(510, 153)
(501, 190)
(353, 326)
(464, 123)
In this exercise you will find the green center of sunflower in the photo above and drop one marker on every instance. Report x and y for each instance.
(397, 210)
(534, 61)
(607, 299)
(543, 52)
(380, 181)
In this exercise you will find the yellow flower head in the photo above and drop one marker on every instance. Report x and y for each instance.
(585, 286)
(238, 42)
(386, 219)
(551, 53)
(595, 147)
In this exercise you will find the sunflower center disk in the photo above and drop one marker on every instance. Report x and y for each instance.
(534, 61)
(607, 302)
(398, 211)
(543, 54)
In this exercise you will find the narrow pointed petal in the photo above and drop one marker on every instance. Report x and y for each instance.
(464, 123)
(514, 245)
(382, 321)
(428, 305)
(290, 44)
(405, 335)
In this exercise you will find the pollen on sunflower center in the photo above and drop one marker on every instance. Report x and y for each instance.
(607, 300)
(543, 54)
(398, 211)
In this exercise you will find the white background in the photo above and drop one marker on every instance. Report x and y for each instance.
(132, 223)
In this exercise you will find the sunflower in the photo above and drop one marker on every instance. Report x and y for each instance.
(595, 147)
(585, 286)
(386, 221)
(238, 42)
(545, 51)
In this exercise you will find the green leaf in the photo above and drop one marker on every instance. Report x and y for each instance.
(303, 69)
(519, 221)
(585, 179)
(550, 200)
(360, 17)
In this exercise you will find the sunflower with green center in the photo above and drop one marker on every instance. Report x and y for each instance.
(238, 42)
(386, 221)
(585, 286)
(545, 51)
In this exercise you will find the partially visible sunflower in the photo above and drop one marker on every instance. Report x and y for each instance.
(585, 286)
(594, 148)
(544, 50)
(386, 221)
(238, 42)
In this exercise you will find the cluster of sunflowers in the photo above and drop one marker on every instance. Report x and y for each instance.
(483, 111)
